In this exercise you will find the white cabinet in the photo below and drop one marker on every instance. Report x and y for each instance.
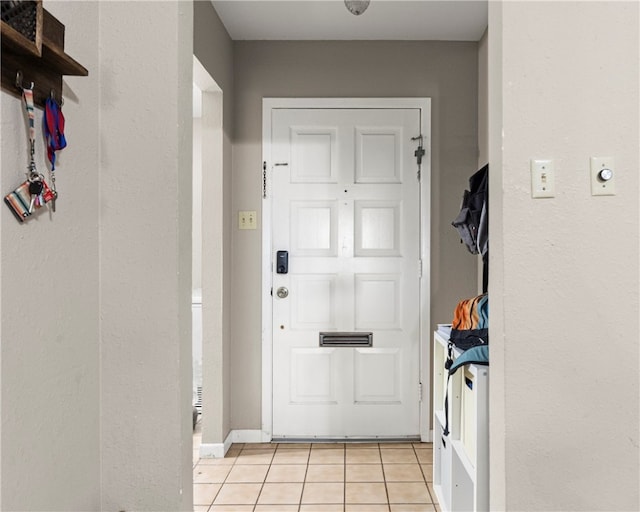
(461, 459)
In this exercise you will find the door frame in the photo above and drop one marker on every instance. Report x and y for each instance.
(424, 105)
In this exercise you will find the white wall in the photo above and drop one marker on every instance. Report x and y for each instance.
(146, 57)
(196, 246)
(49, 290)
(196, 259)
(564, 277)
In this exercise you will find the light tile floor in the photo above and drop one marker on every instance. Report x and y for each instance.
(315, 477)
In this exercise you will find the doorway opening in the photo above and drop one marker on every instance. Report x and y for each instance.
(207, 261)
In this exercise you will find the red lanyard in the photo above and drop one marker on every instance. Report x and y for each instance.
(53, 130)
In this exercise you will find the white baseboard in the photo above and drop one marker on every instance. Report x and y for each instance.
(213, 450)
(219, 450)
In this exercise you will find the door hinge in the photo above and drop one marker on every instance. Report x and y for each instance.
(419, 268)
(419, 391)
(264, 180)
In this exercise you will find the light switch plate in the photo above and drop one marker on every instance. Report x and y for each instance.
(247, 220)
(543, 180)
(599, 186)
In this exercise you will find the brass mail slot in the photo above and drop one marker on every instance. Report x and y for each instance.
(346, 339)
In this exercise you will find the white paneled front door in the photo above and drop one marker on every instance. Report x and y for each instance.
(346, 206)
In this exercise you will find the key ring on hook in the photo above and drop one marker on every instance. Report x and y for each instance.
(19, 83)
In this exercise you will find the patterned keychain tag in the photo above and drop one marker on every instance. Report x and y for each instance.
(34, 193)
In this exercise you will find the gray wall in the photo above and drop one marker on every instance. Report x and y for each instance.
(446, 72)
(214, 49)
(145, 254)
(564, 271)
(49, 295)
(483, 100)
(95, 350)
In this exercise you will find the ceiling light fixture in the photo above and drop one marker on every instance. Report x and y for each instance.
(357, 7)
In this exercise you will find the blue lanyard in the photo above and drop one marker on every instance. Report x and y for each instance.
(53, 130)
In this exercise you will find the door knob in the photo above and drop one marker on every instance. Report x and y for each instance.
(282, 292)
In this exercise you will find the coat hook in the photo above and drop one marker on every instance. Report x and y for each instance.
(52, 95)
(19, 83)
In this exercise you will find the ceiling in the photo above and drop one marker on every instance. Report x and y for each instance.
(448, 20)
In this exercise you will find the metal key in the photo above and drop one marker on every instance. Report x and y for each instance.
(35, 189)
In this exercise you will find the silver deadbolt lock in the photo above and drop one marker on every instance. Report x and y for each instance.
(282, 292)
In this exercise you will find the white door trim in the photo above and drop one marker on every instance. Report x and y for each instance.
(424, 105)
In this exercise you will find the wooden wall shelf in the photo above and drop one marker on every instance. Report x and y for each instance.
(41, 61)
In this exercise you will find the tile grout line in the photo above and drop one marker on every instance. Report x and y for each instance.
(384, 477)
(415, 454)
(424, 477)
(431, 496)
(273, 455)
(226, 477)
(344, 482)
(304, 481)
